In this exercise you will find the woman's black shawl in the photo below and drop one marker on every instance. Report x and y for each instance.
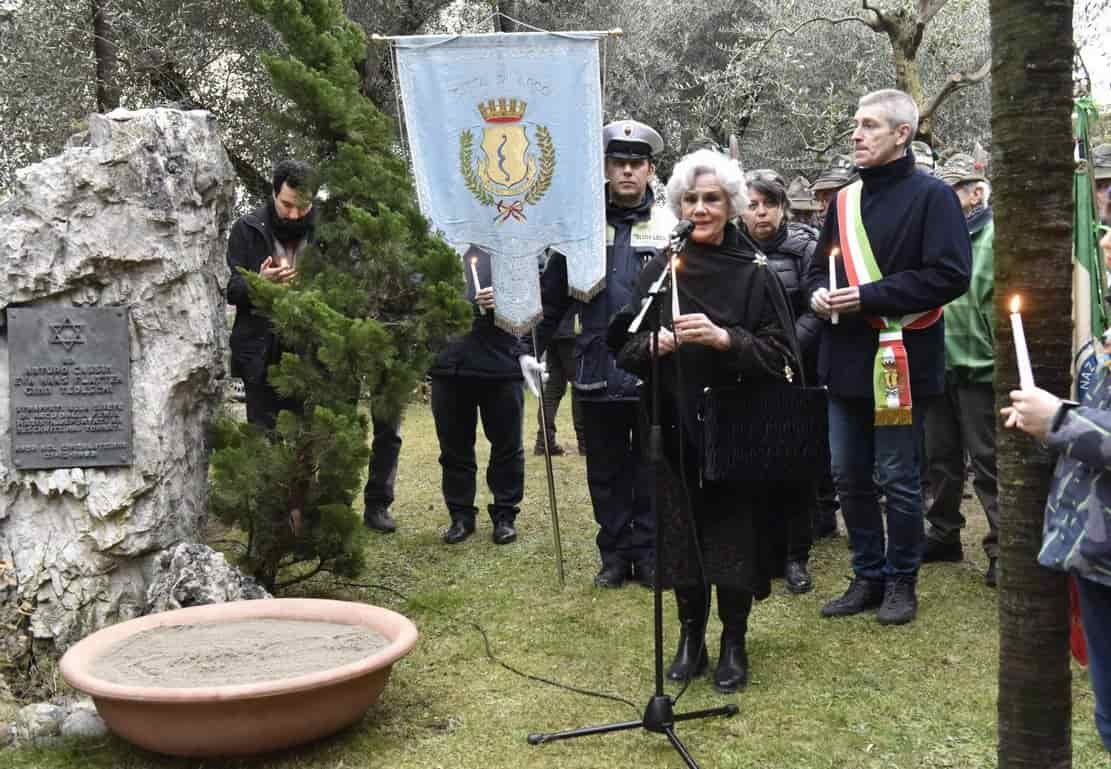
(736, 289)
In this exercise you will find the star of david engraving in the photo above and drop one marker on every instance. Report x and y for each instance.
(67, 334)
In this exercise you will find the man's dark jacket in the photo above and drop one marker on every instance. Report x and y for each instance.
(920, 240)
(485, 351)
(253, 343)
(634, 236)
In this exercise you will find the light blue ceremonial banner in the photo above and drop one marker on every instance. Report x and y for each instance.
(505, 132)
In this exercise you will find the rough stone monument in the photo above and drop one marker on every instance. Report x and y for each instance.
(116, 243)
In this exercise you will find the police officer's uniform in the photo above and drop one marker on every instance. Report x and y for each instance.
(617, 473)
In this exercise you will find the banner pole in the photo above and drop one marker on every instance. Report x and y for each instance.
(551, 479)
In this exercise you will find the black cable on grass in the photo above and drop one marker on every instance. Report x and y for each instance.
(490, 652)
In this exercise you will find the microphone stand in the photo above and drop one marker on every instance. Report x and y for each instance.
(658, 714)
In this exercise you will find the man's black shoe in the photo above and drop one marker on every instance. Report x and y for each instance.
(379, 519)
(691, 658)
(732, 670)
(458, 531)
(937, 551)
(990, 577)
(555, 448)
(644, 572)
(504, 533)
(900, 603)
(612, 574)
(862, 595)
(797, 576)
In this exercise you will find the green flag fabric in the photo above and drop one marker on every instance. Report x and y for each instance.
(1089, 320)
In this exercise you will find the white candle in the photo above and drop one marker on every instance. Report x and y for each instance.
(833, 316)
(1025, 372)
(477, 285)
(674, 288)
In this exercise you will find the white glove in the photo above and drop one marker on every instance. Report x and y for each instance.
(535, 373)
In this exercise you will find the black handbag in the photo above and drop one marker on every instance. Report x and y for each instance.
(767, 430)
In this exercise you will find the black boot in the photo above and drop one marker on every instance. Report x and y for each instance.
(732, 670)
(691, 657)
(734, 607)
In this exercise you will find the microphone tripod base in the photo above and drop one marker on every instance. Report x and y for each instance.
(658, 718)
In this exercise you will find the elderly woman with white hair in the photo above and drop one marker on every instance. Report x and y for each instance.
(727, 331)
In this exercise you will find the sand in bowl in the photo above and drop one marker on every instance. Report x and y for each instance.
(231, 653)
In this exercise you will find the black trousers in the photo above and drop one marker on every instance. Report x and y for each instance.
(620, 481)
(264, 403)
(795, 502)
(385, 448)
(457, 404)
(961, 422)
(561, 371)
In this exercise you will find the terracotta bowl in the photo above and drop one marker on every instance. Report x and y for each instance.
(242, 719)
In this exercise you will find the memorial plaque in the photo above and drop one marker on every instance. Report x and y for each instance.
(70, 375)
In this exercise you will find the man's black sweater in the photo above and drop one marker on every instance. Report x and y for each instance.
(920, 240)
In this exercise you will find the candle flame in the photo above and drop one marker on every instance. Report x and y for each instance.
(834, 253)
(474, 260)
(678, 262)
(1016, 304)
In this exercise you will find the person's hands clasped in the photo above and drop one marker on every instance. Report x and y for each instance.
(1032, 411)
(696, 328)
(275, 272)
(667, 342)
(485, 298)
(844, 300)
(819, 303)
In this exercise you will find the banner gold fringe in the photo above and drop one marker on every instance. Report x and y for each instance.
(517, 329)
(893, 417)
(586, 296)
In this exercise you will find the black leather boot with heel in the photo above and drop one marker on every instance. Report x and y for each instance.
(691, 657)
(732, 670)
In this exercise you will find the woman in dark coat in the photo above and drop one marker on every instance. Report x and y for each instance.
(789, 247)
(727, 331)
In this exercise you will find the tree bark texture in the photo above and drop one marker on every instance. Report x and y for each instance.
(107, 62)
(1033, 167)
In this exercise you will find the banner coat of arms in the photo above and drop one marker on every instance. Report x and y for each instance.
(505, 135)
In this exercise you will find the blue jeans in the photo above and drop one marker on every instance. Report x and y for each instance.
(868, 460)
(1095, 613)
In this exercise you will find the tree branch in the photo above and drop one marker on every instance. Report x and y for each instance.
(789, 31)
(954, 83)
(927, 9)
(836, 140)
(882, 23)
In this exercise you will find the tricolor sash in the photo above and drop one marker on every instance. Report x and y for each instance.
(891, 369)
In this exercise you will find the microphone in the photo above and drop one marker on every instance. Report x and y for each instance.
(682, 230)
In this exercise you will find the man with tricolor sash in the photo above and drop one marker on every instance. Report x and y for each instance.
(900, 251)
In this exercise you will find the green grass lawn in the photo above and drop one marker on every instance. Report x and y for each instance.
(822, 693)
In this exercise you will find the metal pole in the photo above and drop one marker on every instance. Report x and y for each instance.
(551, 479)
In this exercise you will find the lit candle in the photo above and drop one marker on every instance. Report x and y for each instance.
(477, 285)
(674, 288)
(833, 316)
(1025, 372)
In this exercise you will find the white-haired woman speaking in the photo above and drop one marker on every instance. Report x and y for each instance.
(727, 330)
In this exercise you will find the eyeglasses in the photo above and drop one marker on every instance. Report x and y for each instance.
(765, 175)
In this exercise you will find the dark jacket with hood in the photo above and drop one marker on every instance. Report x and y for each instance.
(920, 240)
(634, 236)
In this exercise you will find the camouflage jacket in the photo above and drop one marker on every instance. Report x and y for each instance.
(1077, 532)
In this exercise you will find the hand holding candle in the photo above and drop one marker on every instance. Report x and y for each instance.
(1022, 354)
(833, 254)
(474, 278)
